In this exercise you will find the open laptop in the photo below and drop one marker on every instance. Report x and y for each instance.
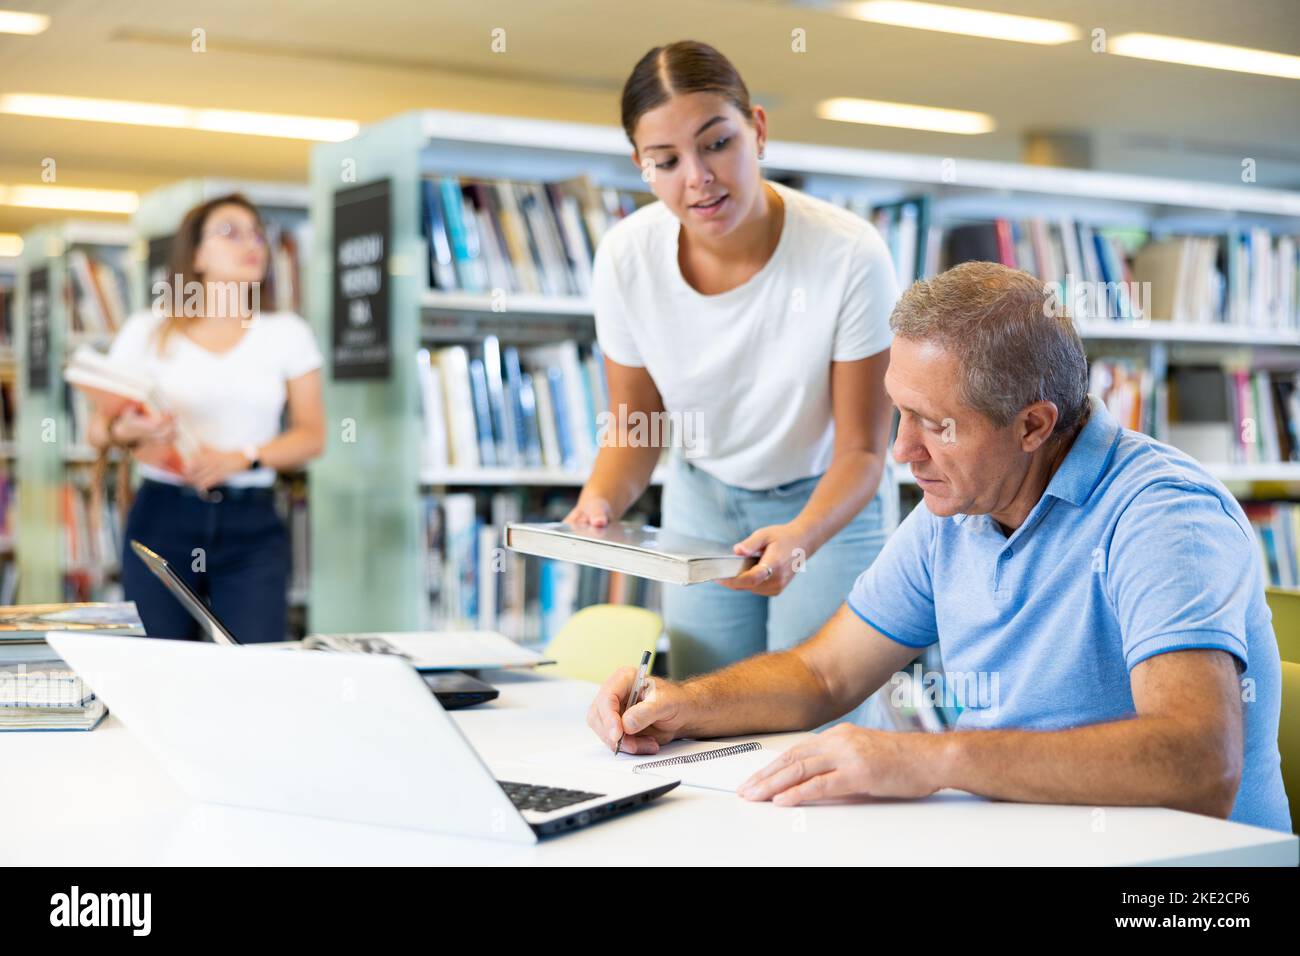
(344, 736)
(454, 689)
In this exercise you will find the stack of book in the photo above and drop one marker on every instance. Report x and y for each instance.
(23, 627)
(1277, 532)
(48, 697)
(485, 406)
(526, 237)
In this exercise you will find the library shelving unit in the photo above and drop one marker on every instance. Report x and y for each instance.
(46, 452)
(366, 537)
(283, 206)
(284, 209)
(8, 399)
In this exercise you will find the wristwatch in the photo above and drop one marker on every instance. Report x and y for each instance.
(254, 458)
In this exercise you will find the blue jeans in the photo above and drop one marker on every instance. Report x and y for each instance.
(243, 574)
(710, 626)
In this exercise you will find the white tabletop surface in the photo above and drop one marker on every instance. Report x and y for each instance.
(99, 798)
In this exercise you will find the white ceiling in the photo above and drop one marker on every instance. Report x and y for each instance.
(567, 59)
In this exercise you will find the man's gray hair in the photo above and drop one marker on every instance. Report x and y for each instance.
(1009, 335)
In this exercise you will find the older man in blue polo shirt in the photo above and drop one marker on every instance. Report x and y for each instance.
(1096, 597)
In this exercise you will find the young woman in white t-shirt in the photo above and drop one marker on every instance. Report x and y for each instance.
(225, 371)
(757, 318)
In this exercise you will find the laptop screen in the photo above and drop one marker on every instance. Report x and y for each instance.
(191, 601)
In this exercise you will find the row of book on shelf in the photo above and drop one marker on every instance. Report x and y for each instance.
(1277, 533)
(485, 405)
(1216, 415)
(96, 291)
(525, 237)
(541, 238)
(91, 545)
(474, 582)
(6, 311)
(287, 235)
(1248, 278)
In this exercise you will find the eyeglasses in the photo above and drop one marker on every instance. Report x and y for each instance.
(228, 230)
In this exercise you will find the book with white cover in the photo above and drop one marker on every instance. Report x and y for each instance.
(112, 385)
(639, 550)
(435, 650)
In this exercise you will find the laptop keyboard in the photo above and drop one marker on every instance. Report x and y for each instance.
(527, 796)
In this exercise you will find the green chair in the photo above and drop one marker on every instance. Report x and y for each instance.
(1288, 739)
(1285, 605)
(600, 639)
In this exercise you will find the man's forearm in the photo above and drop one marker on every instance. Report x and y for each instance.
(768, 693)
(1145, 761)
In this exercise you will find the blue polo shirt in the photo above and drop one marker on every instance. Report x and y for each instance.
(1132, 551)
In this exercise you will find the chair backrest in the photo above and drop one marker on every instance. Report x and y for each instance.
(1288, 739)
(1285, 606)
(601, 638)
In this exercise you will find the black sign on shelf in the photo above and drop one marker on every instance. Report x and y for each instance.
(362, 343)
(38, 329)
(160, 248)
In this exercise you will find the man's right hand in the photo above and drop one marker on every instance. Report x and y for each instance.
(660, 716)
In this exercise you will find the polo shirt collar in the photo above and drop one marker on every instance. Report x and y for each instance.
(1087, 458)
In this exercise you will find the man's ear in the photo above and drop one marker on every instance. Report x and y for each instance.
(1035, 424)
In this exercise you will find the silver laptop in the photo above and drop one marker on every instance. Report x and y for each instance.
(345, 736)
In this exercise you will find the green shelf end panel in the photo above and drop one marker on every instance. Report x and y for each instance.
(42, 426)
(366, 542)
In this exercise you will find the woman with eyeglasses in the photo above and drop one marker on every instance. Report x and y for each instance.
(225, 371)
(758, 316)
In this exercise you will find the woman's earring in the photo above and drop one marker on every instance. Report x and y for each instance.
(760, 152)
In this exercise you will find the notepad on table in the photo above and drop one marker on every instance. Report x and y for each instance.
(708, 764)
(435, 650)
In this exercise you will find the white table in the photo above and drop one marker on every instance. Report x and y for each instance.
(98, 798)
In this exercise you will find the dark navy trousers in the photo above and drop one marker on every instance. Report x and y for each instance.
(232, 550)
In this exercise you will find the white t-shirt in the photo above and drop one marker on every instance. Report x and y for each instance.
(750, 366)
(228, 400)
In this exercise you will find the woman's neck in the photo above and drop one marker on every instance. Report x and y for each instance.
(754, 240)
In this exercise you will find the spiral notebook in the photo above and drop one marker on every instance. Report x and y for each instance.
(724, 768)
(712, 765)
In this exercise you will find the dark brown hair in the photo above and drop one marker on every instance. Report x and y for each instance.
(686, 66)
(180, 260)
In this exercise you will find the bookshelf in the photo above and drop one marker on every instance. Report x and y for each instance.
(366, 492)
(48, 454)
(284, 211)
(8, 409)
